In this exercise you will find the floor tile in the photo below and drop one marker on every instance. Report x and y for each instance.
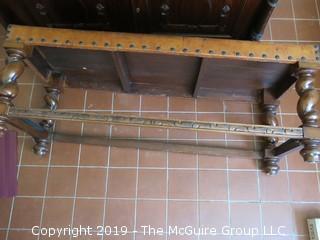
(151, 213)
(26, 212)
(277, 217)
(123, 157)
(179, 104)
(152, 158)
(91, 182)
(214, 215)
(65, 154)
(152, 183)
(249, 210)
(5, 208)
(154, 103)
(88, 212)
(57, 212)
(94, 155)
(99, 100)
(182, 213)
(24, 234)
(126, 102)
(275, 188)
(243, 185)
(32, 181)
(302, 192)
(279, 34)
(213, 185)
(305, 9)
(182, 184)
(283, 9)
(181, 160)
(122, 183)
(120, 213)
(72, 99)
(61, 181)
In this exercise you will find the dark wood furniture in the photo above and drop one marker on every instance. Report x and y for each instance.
(171, 65)
(239, 19)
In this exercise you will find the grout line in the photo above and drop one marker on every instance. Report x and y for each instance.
(137, 176)
(163, 168)
(258, 175)
(317, 9)
(107, 173)
(197, 172)
(106, 190)
(167, 170)
(288, 177)
(47, 176)
(270, 30)
(227, 169)
(172, 199)
(294, 21)
(79, 157)
(46, 182)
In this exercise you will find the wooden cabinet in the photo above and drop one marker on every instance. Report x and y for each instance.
(240, 19)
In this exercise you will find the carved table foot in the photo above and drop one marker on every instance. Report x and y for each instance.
(51, 99)
(309, 97)
(8, 83)
(270, 162)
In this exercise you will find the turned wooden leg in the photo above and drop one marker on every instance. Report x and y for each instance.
(270, 161)
(8, 85)
(51, 99)
(309, 97)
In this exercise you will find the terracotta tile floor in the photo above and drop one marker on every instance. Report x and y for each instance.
(90, 185)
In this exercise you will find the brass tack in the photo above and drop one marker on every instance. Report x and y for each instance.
(106, 44)
(251, 55)
(80, 42)
(237, 53)
(131, 45)
(158, 48)
(18, 39)
(55, 40)
(264, 55)
(119, 45)
(43, 39)
(210, 51)
(67, 41)
(277, 57)
(94, 43)
(197, 50)
(223, 52)
(144, 46)
(185, 50)
(172, 49)
(31, 39)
